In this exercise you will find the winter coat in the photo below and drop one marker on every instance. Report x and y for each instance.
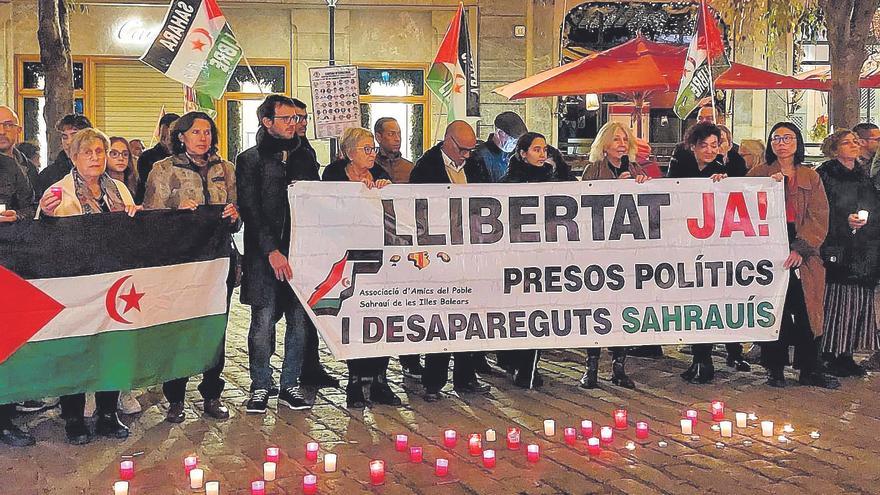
(53, 172)
(335, 172)
(430, 169)
(145, 165)
(15, 192)
(176, 179)
(601, 170)
(684, 164)
(519, 171)
(396, 167)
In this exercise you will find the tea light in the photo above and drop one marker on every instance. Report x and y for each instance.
(642, 430)
(441, 467)
(533, 452)
(593, 446)
(741, 418)
(630, 445)
(662, 444)
(814, 435)
(717, 410)
(513, 438)
(606, 434)
(586, 428)
(377, 472)
(269, 471)
(782, 439)
(126, 470)
(120, 488)
(620, 419)
(747, 443)
(273, 454)
(753, 417)
(475, 444)
(767, 428)
(312, 451)
(787, 428)
(196, 478)
(329, 463)
(415, 454)
(490, 435)
(2, 208)
(691, 414)
(570, 435)
(401, 442)
(549, 427)
(212, 488)
(190, 463)
(719, 445)
(450, 438)
(310, 484)
(258, 487)
(715, 428)
(863, 215)
(489, 458)
(687, 427)
(726, 428)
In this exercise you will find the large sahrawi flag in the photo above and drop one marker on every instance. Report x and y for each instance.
(195, 47)
(453, 75)
(705, 61)
(108, 302)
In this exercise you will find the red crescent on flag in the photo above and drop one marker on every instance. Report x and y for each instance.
(204, 32)
(110, 300)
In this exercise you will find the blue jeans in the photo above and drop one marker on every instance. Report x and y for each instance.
(261, 341)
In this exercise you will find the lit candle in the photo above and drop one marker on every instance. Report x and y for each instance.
(310, 484)
(620, 419)
(787, 428)
(687, 426)
(726, 428)
(814, 435)
(401, 442)
(691, 414)
(273, 454)
(441, 467)
(549, 427)
(2, 208)
(717, 410)
(475, 444)
(450, 438)
(196, 478)
(489, 458)
(312, 451)
(642, 430)
(741, 419)
(606, 434)
(126, 470)
(190, 463)
(513, 438)
(593, 446)
(415, 454)
(586, 428)
(490, 435)
(533, 452)
(212, 488)
(753, 417)
(863, 215)
(570, 435)
(329, 463)
(269, 471)
(120, 488)
(767, 428)
(630, 445)
(782, 439)
(258, 487)
(377, 472)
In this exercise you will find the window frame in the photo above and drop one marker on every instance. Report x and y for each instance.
(423, 99)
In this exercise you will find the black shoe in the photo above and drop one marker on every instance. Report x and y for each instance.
(108, 425)
(481, 365)
(354, 393)
(738, 363)
(432, 396)
(591, 375)
(690, 373)
(539, 379)
(776, 378)
(77, 432)
(273, 392)
(381, 393)
(215, 409)
(522, 380)
(816, 379)
(699, 373)
(319, 379)
(175, 413)
(646, 351)
(473, 387)
(258, 402)
(850, 365)
(618, 373)
(30, 406)
(15, 436)
(415, 370)
(293, 398)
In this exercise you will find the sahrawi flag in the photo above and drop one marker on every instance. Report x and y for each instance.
(340, 282)
(108, 302)
(453, 76)
(195, 47)
(705, 61)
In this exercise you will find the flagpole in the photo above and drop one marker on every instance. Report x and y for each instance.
(704, 11)
(251, 70)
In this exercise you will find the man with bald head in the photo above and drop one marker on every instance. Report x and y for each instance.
(10, 130)
(452, 161)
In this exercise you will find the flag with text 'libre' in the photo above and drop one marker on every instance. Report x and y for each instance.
(704, 63)
(453, 75)
(108, 302)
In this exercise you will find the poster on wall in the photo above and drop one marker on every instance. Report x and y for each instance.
(335, 103)
(423, 269)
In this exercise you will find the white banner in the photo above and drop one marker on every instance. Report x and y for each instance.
(435, 268)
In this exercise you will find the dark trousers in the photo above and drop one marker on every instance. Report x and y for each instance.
(409, 360)
(7, 411)
(794, 330)
(703, 352)
(73, 406)
(311, 357)
(616, 352)
(211, 387)
(367, 367)
(525, 363)
(437, 370)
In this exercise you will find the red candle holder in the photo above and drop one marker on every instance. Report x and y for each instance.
(441, 467)
(312, 451)
(475, 444)
(513, 438)
(190, 463)
(415, 454)
(620, 421)
(586, 428)
(691, 414)
(533, 452)
(401, 442)
(273, 454)
(489, 458)
(570, 435)
(450, 438)
(310, 484)
(377, 472)
(642, 430)
(606, 434)
(126, 470)
(593, 446)
(717, 410)
(258, 487)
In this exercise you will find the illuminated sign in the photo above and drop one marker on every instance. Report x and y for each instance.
(134, 32)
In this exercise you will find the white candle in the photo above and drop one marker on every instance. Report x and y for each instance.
(549, 427)
(753, 417)
(120, 487)
(814, 435)
(687, 426)
(630, 445)
(782, 439)
(196, 478)
(726, 429)
(787, 428)
(741, 418)
(490, 435)
(329, 463)
(212, 488)
(863, 215)
(2, 207)
(767, 428)
(269, 471)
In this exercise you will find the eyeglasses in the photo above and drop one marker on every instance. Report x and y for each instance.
(370, 149)
(461, 149)
(117, 154)
(9, 126)
(785, 138)
(296, 119)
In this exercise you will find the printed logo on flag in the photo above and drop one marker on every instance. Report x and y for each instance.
(339, 284)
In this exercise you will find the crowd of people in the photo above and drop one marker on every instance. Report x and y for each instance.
(834, 250)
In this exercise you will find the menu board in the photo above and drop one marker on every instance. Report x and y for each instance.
(335, 104)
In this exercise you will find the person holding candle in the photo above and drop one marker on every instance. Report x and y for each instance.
(851, 253)
(359, 165)
(806, 211)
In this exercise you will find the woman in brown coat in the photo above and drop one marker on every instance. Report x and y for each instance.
(806, 211)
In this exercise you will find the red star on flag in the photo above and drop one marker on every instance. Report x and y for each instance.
(132, 299)
(198, 45)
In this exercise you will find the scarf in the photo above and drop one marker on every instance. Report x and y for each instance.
(270, 145)
(109, 192)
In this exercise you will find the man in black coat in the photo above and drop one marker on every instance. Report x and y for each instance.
(57, 170)
(452, 161)
(263, 173)
(157, 153)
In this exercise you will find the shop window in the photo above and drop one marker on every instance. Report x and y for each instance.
(239, 106)
(270, 79)
(398, 93)
(33, 76)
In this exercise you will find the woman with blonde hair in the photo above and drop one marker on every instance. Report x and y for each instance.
(613, 155)
(752, 151)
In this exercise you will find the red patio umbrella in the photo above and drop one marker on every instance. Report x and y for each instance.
(820, 79)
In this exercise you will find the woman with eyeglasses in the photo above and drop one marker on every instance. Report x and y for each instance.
(851, 251)
(120, 165)
(806, 212)
(358, 164)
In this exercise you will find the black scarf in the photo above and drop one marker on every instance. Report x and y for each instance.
(270, 145)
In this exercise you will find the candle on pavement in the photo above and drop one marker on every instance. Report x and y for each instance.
(329, 463)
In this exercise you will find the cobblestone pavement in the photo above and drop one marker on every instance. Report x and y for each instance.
(845, 459)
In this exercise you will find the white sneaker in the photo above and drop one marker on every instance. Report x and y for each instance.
(90, 406)
(128, 403)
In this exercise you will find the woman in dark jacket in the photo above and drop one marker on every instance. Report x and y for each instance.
(529, 164)
(850, 253)
(359, 165)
